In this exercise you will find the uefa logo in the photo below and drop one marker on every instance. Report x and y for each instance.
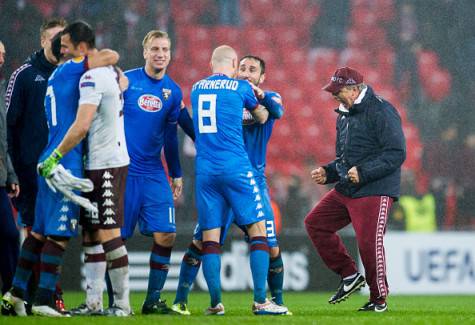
(150, 103)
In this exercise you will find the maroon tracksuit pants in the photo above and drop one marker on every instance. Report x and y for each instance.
(368, 216)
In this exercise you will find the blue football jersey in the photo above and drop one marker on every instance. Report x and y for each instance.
(149, 105)
(256, 137)
(61, 105)
(217, 103)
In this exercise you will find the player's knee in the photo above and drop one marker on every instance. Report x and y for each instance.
(198, 244)
(38, 236)
(274, 252)
(164, 238)
(60, 240)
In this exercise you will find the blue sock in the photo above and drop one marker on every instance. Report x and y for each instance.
(190, 265)
(29, 256)
(51, 260)
(275, 278)
(259, 260)
(212, 270)
(159, 264)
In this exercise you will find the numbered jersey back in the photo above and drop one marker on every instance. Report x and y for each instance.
(61, 104)
(217, 103)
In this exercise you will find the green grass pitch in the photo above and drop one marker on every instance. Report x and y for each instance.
(308, 308)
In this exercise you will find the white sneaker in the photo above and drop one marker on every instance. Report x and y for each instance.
(268, 308)
(216, 310)
(13, 305)
(45, 310)
(116, 311)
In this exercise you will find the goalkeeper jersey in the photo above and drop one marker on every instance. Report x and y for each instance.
(61, 105)
(217, 103)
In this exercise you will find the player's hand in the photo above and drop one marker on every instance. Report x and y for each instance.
(319, 175)
(46, 167)
(177, 187)
(258, 91)
(13, 190)
(353, 175)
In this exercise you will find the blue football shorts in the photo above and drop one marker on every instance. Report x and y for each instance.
(269, 218)
(148, 201)
(55, 215)
(216, 194)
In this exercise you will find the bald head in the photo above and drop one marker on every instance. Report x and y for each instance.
(224, 60)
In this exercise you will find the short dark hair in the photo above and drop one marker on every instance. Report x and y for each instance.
(261, 61)
(80, 31)
(51, 23)
(56, 46)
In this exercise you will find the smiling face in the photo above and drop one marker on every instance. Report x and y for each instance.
(157, 54)
(250, 69)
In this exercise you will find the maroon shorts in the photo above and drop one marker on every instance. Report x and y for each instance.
(108, 196)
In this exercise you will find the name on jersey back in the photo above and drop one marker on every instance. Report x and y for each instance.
(216, 84)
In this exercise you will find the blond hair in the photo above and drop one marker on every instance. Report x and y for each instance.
(155, 34)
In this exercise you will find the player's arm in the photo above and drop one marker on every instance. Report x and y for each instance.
(172, 153)
(73, 137)
(78, 129)
(273, 103)
(15, 106)
(260, 114)
(102, 58)
(185, 122)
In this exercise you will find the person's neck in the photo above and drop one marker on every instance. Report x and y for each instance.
(155, 74)
(227, 72)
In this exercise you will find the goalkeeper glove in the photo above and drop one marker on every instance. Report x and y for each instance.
(46, 167)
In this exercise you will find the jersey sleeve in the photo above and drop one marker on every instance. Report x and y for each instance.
(250, 100)
(90, 89)
(76, 66)
(272, 101)
(175, 110)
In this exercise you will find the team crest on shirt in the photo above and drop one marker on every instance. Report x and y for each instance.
(150, 103)
(166, 93)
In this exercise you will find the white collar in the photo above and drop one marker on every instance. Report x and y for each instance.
(358, 100)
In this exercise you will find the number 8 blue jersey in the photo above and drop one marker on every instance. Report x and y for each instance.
(217, 103)
(61, 105)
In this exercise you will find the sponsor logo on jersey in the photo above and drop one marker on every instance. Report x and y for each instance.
(107, 193)
(150, 103)
(63, 218)
(109, 212)
(62, 227)
(39, 78)
(108, 203)
(109, 221)
(107, 175)
(107, 184)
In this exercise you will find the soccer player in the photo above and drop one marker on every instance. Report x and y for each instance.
(27, 131)
(100, 118)
(256, 137)
(224, 176)
(56, 217)
(152, 105)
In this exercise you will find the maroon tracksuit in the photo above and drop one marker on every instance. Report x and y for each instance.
(368, 216)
